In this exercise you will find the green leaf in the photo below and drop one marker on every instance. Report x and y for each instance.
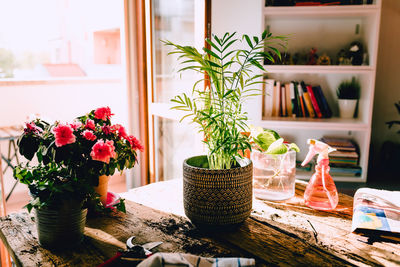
(208, 51)
(265, 139)
(248, 40)
(277, 147)
(294, 147)
(264, 34)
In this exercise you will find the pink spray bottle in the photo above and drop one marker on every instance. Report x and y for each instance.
(321, 192)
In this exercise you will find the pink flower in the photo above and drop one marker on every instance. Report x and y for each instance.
(106, 129)
(75, 125)
(64, 135)
(103, 151)
(90, 125)
(89, 135)
(121, 131)
(103, 113)
(32, 128)
(135, 143)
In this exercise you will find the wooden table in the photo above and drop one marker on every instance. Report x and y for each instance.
(277, 233)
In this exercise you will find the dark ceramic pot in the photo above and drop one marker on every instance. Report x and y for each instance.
(60, 226)
(216, 197)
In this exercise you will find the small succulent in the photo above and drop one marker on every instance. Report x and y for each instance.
(349, 89)
(391, 123)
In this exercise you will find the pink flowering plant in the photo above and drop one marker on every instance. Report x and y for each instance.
(72, 156)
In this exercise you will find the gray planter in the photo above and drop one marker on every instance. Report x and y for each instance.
(216, 197)
(60, 226)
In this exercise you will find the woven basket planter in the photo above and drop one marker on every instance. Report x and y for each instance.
(216, 197)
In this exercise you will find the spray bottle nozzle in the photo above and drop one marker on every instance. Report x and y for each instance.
(317, 147)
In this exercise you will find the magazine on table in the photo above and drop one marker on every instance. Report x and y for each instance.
(377, 213)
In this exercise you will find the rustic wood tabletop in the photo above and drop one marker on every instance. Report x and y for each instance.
(277, 233)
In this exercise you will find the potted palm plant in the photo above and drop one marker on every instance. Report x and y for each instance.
(348, 94)
(218, 186)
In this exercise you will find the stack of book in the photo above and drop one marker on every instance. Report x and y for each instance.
(294, 99)
(343, 161)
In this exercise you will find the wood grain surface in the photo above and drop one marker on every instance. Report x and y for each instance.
(283, 233)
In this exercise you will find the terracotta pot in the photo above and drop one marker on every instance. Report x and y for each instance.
(216, 198)
(60, 226)
(102, 188)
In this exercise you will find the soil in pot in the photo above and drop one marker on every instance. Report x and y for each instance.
(217, 199)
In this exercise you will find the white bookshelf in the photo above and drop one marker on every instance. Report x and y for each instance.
(329, 28)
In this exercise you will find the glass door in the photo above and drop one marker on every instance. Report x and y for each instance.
(184, 22)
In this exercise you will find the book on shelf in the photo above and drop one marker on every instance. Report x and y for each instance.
(326, 110)
(288, 95)
(376, 213)
(306, 167)
(313, 100)
(283, 101)
(343, 154)
(300, 95)
(276, 99)
(340, 144)
(346, 171)
(293, 99)
(268, 96)
(307, 101)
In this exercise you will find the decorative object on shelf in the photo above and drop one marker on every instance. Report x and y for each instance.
(274, 165)
(312, 57)
(348, 94)
(211, 196)
(356, 53)
(321, 192)
(324, 60)
(342, 58)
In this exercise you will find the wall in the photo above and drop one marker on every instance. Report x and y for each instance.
(387, 89)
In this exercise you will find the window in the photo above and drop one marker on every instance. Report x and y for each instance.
(183, 22)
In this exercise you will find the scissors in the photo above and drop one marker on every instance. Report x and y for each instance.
(134, 252)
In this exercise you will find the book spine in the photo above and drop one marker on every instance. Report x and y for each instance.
(314, 101)
(307, 101)
(283, 101)
(293, 99)
(327, 110)
(268, 97)
(288, 100)
(278, 99)
(300, 92)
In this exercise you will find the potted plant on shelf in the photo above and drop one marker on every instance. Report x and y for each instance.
(348, 94)
(218, 187)
(70, 159)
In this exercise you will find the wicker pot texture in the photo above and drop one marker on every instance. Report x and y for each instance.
(60, 226)
(216, 197)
